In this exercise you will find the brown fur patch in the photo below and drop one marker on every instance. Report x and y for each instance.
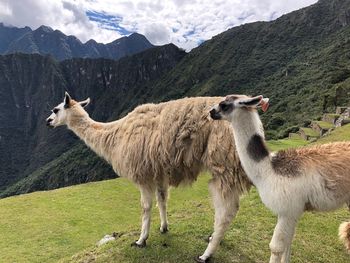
(287, 163)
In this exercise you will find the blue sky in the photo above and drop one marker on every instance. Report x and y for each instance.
(109, 22)
(182, 22)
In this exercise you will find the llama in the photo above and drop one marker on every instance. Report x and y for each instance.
(289, 182)
(161, 145)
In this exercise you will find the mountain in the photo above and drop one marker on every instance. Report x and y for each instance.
(44, 40)
(300, 60)
(31, 85)
(9, 34)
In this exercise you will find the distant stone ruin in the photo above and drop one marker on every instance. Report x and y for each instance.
(328, 123)
(344, 118)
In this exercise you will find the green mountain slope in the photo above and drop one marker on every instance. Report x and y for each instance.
(297, 60)
(65, 224)
(76, 166)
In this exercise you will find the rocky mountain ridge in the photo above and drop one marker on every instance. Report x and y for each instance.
(44, 40)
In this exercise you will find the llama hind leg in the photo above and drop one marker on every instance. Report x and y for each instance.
(162, 197)
(226, 207)
(282, 239)
(146, 203)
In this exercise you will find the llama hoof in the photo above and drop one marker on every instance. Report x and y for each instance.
(209, 238)
(164, 230)
(135, 244)
(199, 260)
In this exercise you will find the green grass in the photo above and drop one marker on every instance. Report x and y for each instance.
(65, 224)
(294, 135)
(275, 145)
(49, 226)
(325, 125)
(310, 132)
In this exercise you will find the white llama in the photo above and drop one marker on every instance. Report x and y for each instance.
(162, 145)
(289, 182)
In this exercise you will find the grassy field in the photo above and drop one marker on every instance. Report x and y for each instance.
(65, 224)
(275, 145)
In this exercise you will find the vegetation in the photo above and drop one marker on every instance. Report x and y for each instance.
(76, 166)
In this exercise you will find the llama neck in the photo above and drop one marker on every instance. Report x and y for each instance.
(91, 132)
(250, 144)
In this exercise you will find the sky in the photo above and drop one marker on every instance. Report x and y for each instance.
(184, 23)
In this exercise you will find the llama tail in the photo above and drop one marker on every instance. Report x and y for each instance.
(344, 234)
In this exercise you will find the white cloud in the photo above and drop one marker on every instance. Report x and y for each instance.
(158, 33)
(5, 9)
(185, 23)
(67, 16)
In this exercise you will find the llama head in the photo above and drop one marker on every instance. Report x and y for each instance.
(62, 111)
(234, 104)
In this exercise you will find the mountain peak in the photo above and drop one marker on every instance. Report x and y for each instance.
(135, 34)
(91, 42)
(45, 29)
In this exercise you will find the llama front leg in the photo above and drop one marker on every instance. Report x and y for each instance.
(282, 239)
(162, 197)
(286, 254)
(289, 240)
(146, 204)
(226, 208)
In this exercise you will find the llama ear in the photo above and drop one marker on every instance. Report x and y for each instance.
(84, 103)
(251, 102)
(67, 100)
(264, 104)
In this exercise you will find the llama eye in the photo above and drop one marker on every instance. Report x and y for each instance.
(224, 107)
(55, 110)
